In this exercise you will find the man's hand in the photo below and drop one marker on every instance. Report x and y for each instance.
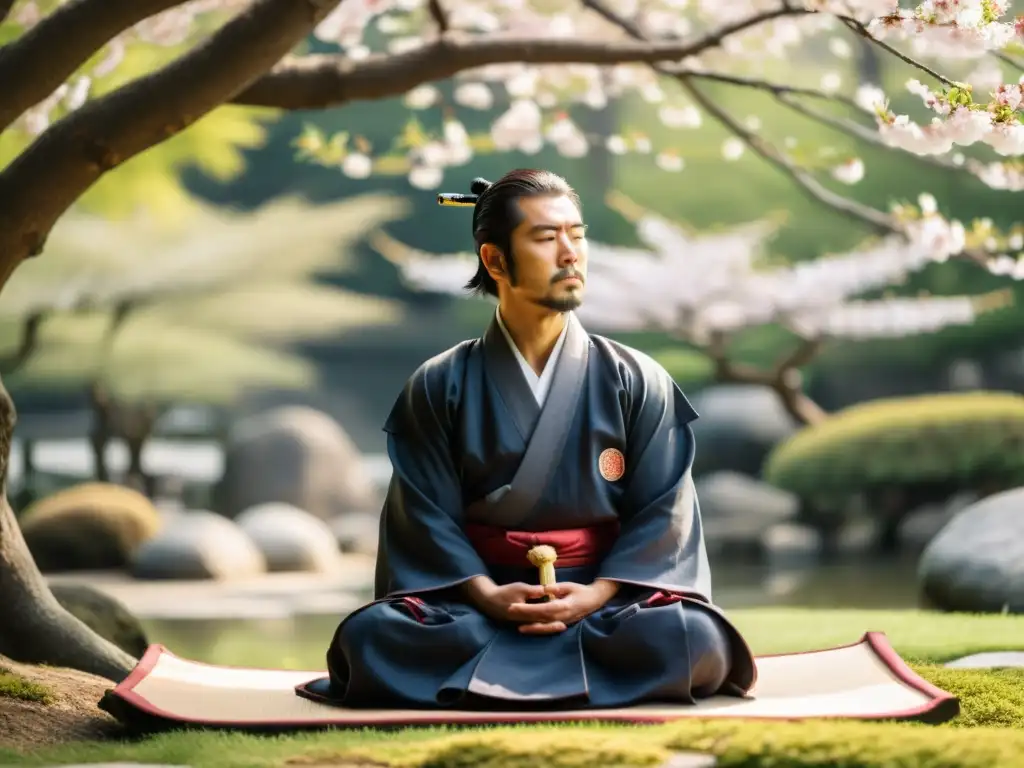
(571, 603)
(498, 601)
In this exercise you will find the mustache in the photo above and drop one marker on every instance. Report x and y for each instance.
(565, 274)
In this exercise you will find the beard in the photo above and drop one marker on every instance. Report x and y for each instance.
(565, 303)
(561, 304)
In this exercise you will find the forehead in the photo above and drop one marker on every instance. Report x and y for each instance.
(559, 211)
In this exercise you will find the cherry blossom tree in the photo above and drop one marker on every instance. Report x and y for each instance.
(704, 288)
(68, 117)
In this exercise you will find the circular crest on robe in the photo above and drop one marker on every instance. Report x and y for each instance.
(612, 464)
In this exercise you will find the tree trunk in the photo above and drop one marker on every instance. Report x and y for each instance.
(102, 431)
(136, 427)
(798, 404)
(34, 627)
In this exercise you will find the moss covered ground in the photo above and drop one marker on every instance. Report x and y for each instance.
(989, 731)
(14, 686)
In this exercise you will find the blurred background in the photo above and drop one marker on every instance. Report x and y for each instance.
(201, 380)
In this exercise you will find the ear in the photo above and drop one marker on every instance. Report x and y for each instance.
(494, 262)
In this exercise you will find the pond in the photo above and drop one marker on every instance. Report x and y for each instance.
(300, 642)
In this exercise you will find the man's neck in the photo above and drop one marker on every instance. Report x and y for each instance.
(534, 330)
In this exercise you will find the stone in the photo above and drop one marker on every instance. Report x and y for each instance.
(791, 542)
(291, 539)
(103, 614)
(989, 660)
(739, 425)
(199, 545)
(296, 455)
(357, 532)
(91, 526)
(738, 510)
(976, 562)
(923, 524)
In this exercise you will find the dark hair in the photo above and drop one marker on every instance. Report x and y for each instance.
(496, 214)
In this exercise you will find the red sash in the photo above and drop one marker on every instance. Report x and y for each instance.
(575, 546)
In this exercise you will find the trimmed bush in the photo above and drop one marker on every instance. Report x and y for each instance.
(963, 439)
(91, 526)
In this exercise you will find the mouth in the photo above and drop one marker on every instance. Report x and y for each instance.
(571, 279)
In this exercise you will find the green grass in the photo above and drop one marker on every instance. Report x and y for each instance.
(14, 686)
(989, 732)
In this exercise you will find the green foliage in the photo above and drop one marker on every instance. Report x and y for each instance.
(687, 366)
(963, 438)
(151, 362)
(277, 313)
(14, 686)
(217, 295)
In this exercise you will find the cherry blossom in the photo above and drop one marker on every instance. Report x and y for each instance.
(699, 286)
(967, 99)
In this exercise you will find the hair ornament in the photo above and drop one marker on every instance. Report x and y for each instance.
(477, 187)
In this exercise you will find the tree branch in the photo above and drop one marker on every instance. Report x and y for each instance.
(1007, 59)
(862, 133)
(316, 82)
(5, 9)
(811, 186)
(34, 65)
(776, 89)
(68, 158)
(29, 342)
(861, 30)
(438, 14)
(801, 355)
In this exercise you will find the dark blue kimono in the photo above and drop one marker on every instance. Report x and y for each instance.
(471, 447)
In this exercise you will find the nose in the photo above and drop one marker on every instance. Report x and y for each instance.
(567, 251)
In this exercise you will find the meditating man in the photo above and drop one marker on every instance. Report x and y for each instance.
(536, 454)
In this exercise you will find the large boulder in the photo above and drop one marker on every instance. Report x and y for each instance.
(738, 511)
(92, 526)
(976, 562)
(290, 538)
(296, 455)
(104, 615)
(739, 425)
(199, 545)
(357, 533)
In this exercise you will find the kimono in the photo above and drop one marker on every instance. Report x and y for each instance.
(594, 460)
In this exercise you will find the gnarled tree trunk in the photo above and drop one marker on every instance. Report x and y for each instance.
(34, 627)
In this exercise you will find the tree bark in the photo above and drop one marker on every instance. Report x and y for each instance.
(59, 44)
(135, 427)
(102, 430)
(34, 627)
(68, 158)
(784, 379)
(328, 80)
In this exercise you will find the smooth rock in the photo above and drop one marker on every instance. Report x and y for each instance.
(290, 538)
(296, 455)
(737, 511)
(976, 562)
(739, 425)
(989, 660)
(199, 545)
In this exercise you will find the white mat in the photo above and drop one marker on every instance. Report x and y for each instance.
(866, 680)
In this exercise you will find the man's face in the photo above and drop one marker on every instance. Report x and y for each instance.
(550, 253)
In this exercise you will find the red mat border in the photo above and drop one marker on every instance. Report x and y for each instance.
(943, 705)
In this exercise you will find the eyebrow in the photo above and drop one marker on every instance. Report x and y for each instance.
(554, 227)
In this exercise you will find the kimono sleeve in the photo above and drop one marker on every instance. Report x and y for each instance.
(661, 540)
(422, 544)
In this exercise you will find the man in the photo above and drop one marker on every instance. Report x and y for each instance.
(537, 434)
